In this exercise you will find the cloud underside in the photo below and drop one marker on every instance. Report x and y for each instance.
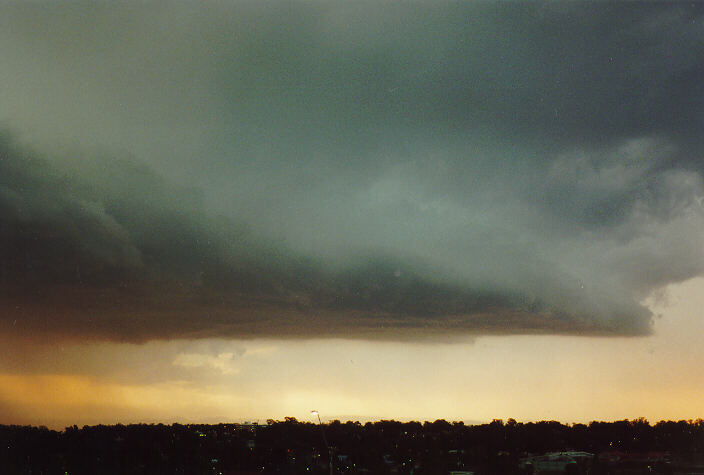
(408, 174)
(120, 255)
(116, 317)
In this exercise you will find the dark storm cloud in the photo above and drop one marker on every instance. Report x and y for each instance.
(127, 256)
(361, 170)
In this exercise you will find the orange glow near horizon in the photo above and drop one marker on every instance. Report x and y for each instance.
(570, 379)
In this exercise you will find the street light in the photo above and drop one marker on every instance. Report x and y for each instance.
(325, 439)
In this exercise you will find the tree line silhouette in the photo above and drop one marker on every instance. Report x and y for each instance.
(290, 446)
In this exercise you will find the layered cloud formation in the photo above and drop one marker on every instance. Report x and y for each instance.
(347, 170)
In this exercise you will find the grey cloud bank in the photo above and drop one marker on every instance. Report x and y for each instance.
(347, 170)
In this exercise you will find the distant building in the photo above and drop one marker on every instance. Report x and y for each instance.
(556, 462)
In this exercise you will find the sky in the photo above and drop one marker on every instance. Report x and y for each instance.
(238, 211)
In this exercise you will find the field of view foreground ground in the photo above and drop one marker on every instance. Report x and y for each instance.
(383, 447)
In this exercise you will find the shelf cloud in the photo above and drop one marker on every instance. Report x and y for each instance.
(357, 171)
